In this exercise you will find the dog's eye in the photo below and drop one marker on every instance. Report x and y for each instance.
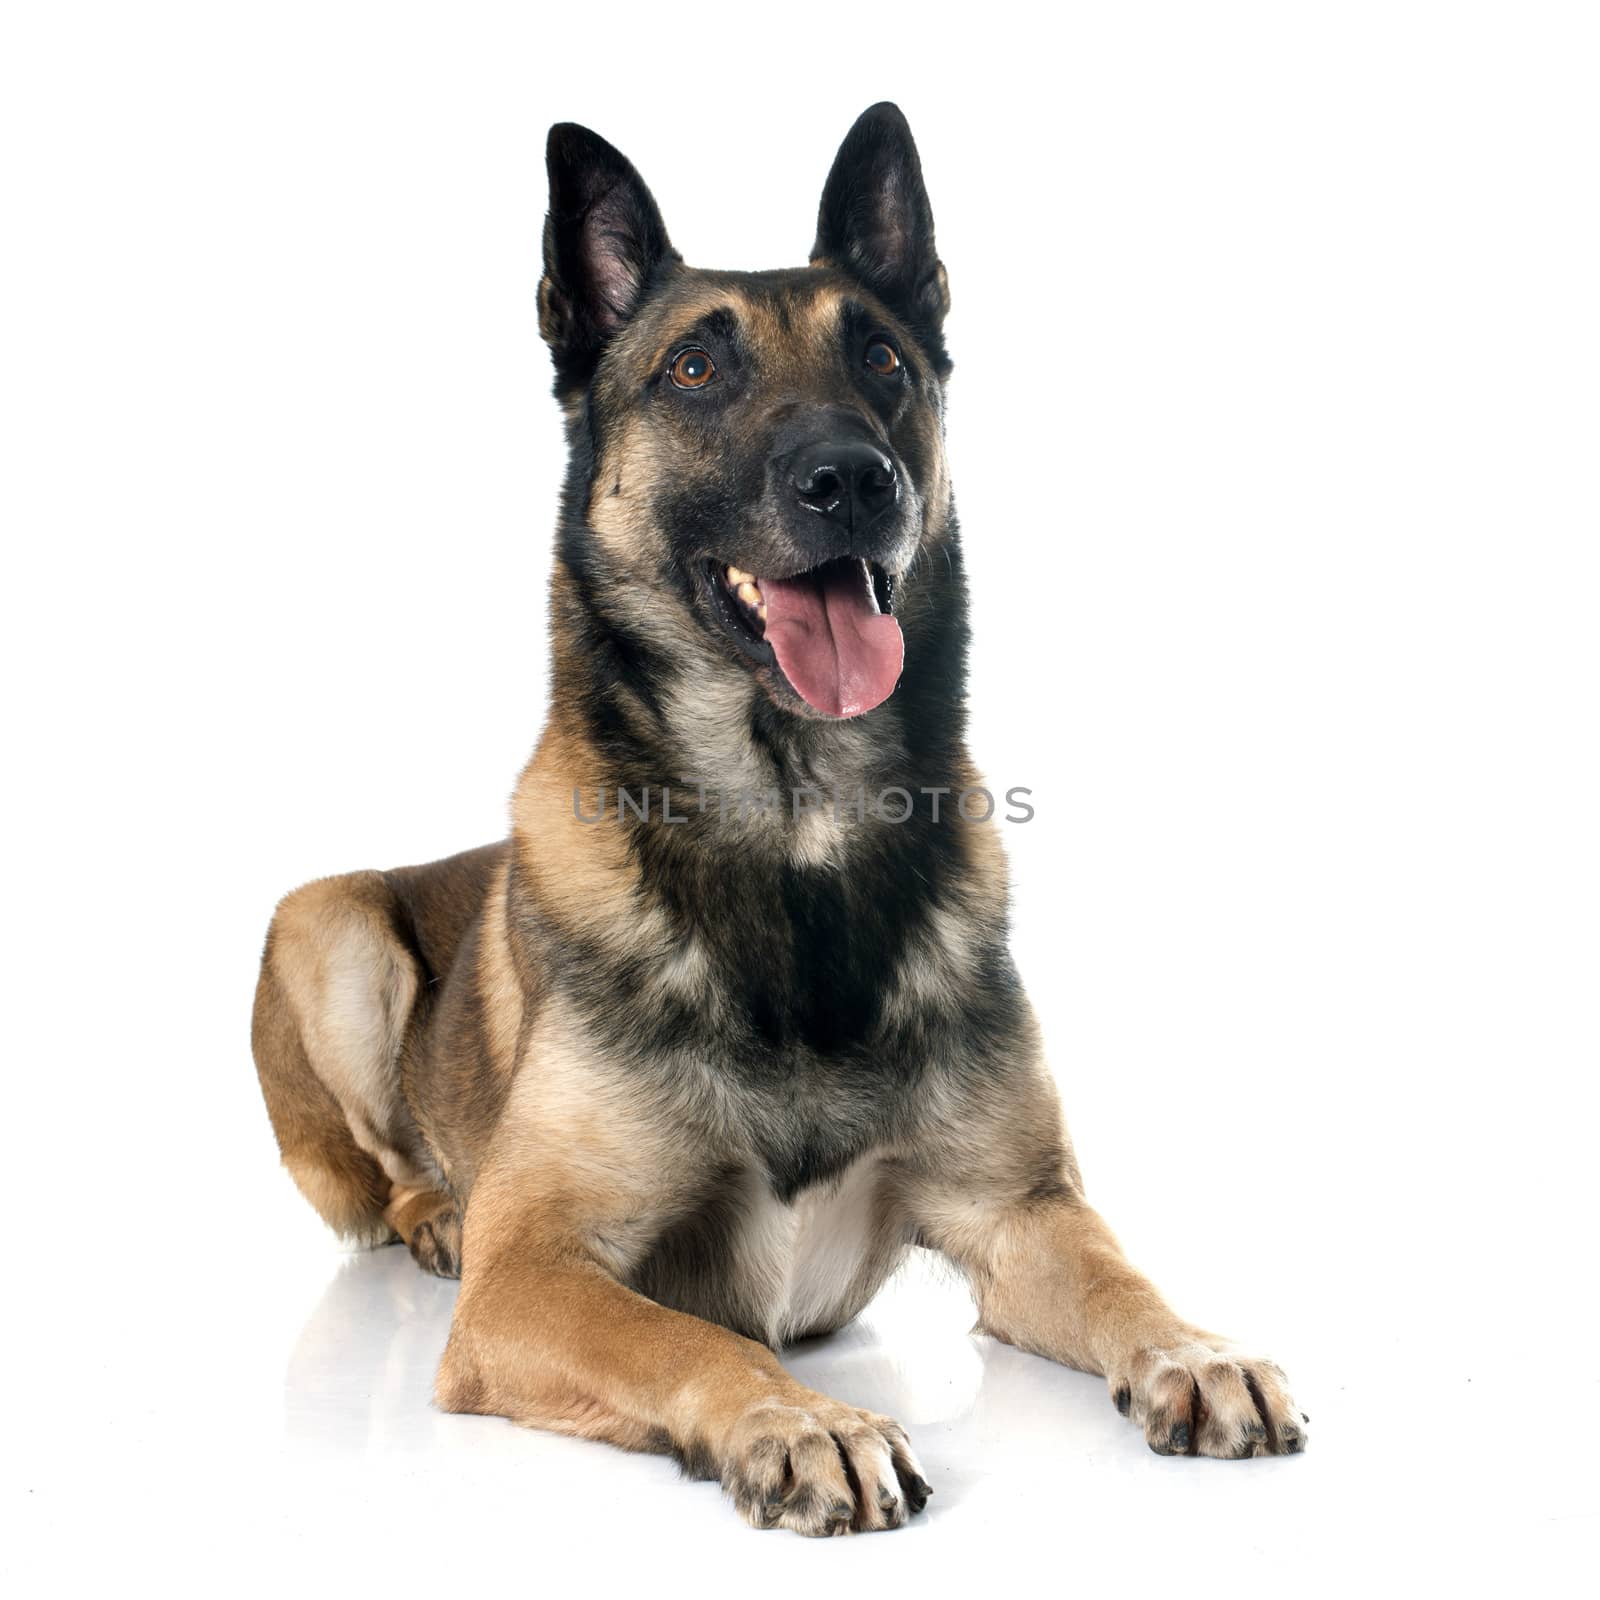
(882, 358)
(691, 369)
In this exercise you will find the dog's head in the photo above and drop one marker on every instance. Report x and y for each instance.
(758, 457)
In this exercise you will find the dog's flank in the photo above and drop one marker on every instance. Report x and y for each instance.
(667, 1097)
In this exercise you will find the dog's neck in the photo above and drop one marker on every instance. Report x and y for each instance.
(646, 712)
(663, 878)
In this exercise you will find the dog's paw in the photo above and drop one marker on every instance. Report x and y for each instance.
(430, 1225)
(1198, 1396)
(436, 1244)
(818, 1467)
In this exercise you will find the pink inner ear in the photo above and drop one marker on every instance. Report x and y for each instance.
(892, 237)
(609, 258)
(885, 242)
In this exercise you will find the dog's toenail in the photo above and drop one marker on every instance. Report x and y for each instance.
(1124, 1399)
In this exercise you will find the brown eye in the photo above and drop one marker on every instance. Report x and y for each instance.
(881, 357)
(691, 369)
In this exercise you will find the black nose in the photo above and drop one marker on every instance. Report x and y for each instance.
(850, 482)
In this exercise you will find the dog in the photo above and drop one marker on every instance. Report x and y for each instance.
(671, 1084)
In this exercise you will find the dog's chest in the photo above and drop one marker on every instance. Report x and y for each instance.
(808, 1265)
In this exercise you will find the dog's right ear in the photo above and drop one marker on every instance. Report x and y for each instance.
(604, 244)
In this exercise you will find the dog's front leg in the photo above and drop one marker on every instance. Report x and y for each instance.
(1002, 1198)
(545, 1334)
(1051, 1278)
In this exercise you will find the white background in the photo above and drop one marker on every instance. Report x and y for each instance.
(1274, 426)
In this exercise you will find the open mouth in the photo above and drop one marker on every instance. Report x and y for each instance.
(830, 631)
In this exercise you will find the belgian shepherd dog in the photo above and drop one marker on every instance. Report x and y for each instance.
(674, 1076)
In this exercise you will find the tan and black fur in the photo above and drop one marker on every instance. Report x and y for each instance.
(668, 1095)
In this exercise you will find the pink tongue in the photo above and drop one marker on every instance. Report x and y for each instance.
(840, 653)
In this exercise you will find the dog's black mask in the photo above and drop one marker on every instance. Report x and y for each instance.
(761, 455)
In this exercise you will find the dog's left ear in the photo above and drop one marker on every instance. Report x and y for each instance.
(875, 220)
(604, 244)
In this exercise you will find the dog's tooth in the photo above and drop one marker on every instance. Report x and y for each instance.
(749, 593)
(736, 577)
(761, 610)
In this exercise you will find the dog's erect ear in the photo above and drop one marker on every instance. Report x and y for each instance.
(875, 220)
(604, 242)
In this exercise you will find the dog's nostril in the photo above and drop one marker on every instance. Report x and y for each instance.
(877, 482)
(821, 487)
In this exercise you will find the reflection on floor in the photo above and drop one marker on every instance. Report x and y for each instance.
(264, 1424)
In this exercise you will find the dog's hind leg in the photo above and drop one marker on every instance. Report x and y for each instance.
(336, 993)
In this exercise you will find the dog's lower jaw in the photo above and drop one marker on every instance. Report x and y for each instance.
(824, 642)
